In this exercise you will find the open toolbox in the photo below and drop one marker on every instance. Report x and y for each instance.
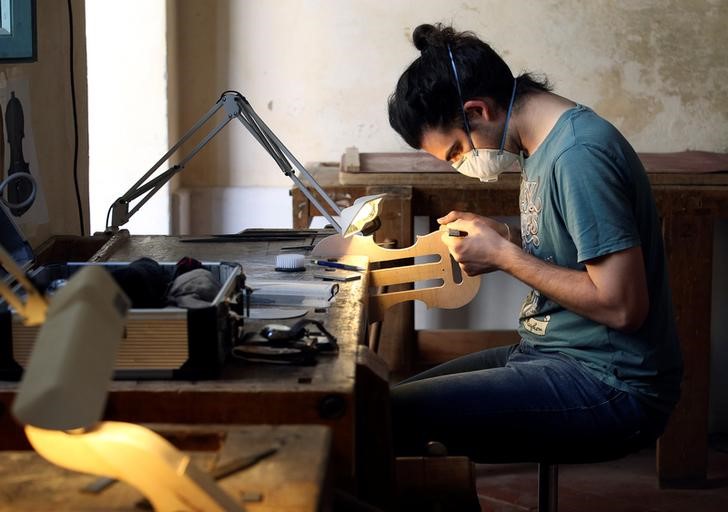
(158, 343)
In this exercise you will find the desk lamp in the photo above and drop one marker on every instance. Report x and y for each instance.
(62, 395)
(361, 217)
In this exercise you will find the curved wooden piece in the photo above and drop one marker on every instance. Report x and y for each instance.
(452, 288)
(141, 458)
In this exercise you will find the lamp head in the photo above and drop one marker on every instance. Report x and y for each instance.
(65, 383)
(362, 216)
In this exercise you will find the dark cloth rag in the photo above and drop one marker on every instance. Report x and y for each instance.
(145, 283)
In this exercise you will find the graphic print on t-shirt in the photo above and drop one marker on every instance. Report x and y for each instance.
(531, 206)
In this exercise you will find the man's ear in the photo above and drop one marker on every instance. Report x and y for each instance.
(480, 108)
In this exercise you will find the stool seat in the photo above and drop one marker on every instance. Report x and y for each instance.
(595, 454)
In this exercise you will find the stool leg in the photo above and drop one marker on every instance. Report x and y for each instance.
(548, 487)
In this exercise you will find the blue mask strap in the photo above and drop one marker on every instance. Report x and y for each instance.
(462, 103)
(508, 118)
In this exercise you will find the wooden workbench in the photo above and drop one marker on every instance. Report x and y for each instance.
(347, 392)
(293, 479)
(691, 191)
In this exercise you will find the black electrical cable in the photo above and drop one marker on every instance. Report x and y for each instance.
(75, 120)
(108, 215)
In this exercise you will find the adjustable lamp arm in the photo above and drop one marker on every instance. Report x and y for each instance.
(236, 106)
(285, 159)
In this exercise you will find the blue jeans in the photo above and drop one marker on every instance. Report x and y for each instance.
(516, 404)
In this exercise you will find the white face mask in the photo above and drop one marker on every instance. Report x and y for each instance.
(485, 164)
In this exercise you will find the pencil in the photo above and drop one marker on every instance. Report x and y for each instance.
(336, 264)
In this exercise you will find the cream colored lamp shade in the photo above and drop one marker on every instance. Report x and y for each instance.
(362, 216)
(65, 383)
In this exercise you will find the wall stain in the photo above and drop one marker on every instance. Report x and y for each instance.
(465, 6)
(631, 111)
(680, 46)
(408, 33)
(658, 69)
(686, 55)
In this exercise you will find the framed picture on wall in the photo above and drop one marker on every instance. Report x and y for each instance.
(17, 31)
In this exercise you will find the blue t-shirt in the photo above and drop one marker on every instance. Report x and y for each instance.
(585, 194)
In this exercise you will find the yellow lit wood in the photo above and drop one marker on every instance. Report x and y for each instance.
(451, 293)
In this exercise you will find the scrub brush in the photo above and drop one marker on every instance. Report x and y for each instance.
(290, 263)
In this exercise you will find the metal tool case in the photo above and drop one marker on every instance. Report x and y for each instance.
(159, 343)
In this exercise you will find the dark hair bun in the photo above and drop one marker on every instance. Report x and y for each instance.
(425, 36)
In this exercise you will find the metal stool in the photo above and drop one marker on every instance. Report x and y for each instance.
(548, 470)
(548, 487)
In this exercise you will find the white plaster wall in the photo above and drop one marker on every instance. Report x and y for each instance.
(319, 71)
(127, 103)
(205, 210)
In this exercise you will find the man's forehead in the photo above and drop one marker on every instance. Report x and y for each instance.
(440, 143)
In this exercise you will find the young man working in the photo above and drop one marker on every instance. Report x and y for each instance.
(598, 367)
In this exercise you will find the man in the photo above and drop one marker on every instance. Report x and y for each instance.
(598, 368)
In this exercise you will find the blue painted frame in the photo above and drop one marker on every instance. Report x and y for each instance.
(18, 41)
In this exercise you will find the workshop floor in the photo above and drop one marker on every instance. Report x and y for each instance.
(626, 485)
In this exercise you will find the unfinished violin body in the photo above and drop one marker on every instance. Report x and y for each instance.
(439, 280)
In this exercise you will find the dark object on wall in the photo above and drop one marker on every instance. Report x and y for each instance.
(21, 189)
(18, 31)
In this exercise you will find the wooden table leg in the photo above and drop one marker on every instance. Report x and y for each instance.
(397, 331)
(374, 456)
(683, 448)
